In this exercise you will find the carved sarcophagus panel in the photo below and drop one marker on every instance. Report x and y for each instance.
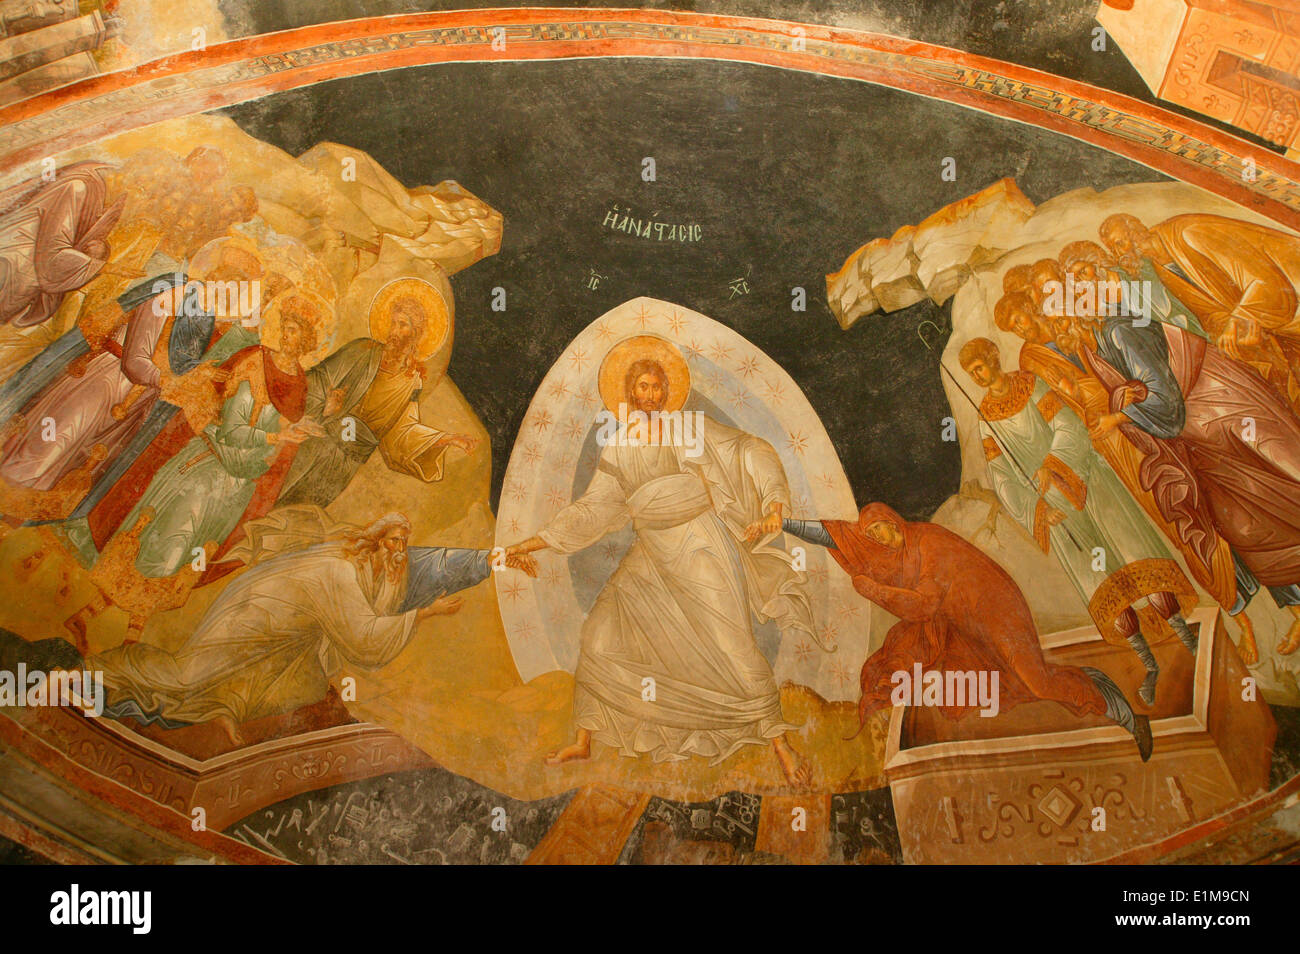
(1037, 784)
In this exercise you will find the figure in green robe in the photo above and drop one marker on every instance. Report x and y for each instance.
(366, 396)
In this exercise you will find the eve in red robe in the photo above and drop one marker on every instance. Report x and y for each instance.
(957, 610)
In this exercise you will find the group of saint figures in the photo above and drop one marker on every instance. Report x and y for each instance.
(1163, 385)
(171, 440)
(189, 395)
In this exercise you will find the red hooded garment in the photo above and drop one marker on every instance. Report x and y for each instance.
(957, 610)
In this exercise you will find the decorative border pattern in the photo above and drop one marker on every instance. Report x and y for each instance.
(252, 67)
(228, 787)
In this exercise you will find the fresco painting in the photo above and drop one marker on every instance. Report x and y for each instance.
(390, 476)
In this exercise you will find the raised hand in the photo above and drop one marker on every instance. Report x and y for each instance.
(1240, 333)
(298, 432)
(1105, 424)
(465, 442)
(1132, 392)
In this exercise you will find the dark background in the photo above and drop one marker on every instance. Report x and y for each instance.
(1055, 36)
(786, 173)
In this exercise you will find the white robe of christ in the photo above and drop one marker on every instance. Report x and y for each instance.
(679, 608)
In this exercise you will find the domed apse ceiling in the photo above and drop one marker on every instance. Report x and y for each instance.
(825, 233)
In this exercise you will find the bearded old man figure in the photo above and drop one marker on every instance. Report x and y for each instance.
(274, 638)
(678, 612)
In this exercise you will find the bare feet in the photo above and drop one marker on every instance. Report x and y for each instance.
(579, 749)
(1291, 641)
(231, 731)
(1246, 645)
(796, 768)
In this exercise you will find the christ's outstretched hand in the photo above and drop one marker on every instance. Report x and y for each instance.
(765, 527)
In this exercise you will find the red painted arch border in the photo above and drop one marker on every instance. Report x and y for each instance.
(251, 67)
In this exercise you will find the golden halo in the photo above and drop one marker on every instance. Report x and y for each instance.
(427, 297)
(322, 321)
(613, 370)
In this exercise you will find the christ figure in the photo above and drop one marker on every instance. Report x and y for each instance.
(669, 664)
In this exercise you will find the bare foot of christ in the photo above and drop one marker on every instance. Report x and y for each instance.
(580, 748)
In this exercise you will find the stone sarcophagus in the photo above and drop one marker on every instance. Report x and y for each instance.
(1037, 784)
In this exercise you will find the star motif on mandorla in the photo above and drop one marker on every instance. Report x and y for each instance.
(774, 392)
(542, 420)
(642, 317)
(748, 366)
